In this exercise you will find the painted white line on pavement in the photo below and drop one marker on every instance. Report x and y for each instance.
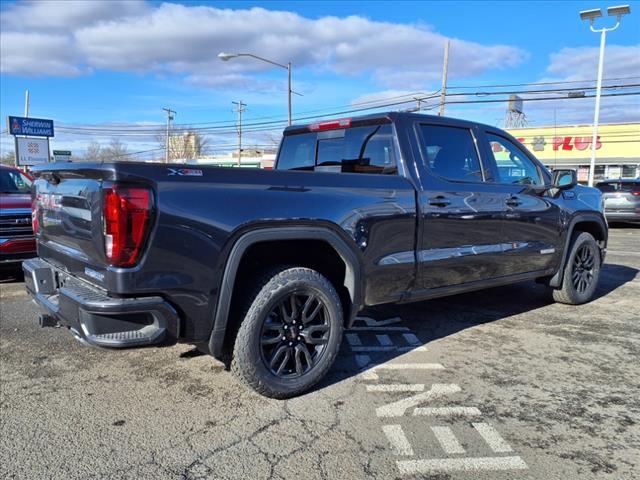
(370, 322)
(363, 360)
(375, 348)
(397, 409)
(447, 440)
(372, 374)
(384, 340)
(398, 440)
(412, 339)
(447, 411)
(492, 437)
(353, 339)
(397, 387)
(439, 465)
(379, 329)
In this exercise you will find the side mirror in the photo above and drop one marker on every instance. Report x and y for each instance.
(564, 179)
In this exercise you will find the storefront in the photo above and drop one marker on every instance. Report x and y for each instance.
(617, 148)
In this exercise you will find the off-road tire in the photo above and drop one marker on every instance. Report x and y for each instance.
(247, 362)
(568, 293)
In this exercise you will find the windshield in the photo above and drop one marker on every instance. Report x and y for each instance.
(13, 181)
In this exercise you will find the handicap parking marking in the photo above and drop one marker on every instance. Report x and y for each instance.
(396, 387)
(384, 336)
(385, 342)
(447, 411)
(472, 464)
(372, 373)
(397, 409)
(492, 437)
(448, 440)
(398, 440)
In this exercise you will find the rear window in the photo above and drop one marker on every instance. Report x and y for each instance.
(618, 187)
(353, 150)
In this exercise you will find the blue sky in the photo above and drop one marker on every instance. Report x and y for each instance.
(106, 69)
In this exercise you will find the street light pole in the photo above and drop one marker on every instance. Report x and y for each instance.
(596, 116)
(591, 15)
(225, 57)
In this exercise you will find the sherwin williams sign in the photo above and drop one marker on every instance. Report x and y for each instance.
(36, 127)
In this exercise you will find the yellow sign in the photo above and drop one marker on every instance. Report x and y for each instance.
(615, 141)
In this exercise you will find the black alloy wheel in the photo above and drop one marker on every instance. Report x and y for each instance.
(290, 332)
(295, 334)
(582, 274)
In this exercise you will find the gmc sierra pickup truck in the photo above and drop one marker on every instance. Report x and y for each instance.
(263, 269)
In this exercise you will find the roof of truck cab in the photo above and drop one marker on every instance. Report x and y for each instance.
(386, 117)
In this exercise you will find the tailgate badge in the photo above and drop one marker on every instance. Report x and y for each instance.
(185, 172)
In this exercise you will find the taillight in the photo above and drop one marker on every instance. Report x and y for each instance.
(126, 212)
(330, 125)
(35, 207)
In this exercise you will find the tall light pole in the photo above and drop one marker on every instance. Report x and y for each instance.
(225, 57)
(591, 15)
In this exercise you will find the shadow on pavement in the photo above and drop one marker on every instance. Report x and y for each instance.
(438, 318)
(11, 274)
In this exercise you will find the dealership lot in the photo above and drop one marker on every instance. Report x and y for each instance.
(499, 384)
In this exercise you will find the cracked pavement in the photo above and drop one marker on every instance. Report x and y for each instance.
(559, 383)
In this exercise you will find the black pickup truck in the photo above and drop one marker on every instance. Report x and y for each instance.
(264, 269)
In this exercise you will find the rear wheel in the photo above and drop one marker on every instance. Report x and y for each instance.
(290, 334)
(581, 272)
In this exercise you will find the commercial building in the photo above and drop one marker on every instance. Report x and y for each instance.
(617, 148)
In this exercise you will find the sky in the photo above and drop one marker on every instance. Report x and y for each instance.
(104, 69)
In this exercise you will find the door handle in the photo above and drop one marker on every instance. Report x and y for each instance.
(512, 201)
(439, 201)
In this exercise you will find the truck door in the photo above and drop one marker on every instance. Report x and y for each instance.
(459, 238)
(531, 232)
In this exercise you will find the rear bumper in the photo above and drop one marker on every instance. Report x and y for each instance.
(15, 250)
(622, 216)
(94, 317)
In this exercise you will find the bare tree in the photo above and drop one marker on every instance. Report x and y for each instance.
(93, 153)
(116, 150)
(9, 158)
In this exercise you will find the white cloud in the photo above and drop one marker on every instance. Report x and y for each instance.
(582, 63)
(48, 54)
(185, 39)
(61, 15)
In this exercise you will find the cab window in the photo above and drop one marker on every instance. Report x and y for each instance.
(353, 150)
(512, 164)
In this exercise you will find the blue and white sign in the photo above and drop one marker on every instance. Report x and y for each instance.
(34, 127)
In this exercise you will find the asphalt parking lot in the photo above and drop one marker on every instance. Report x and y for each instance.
(498, 384)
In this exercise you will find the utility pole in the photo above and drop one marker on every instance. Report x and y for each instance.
(240, 107)
(170, 114)
(445, 71)
(26, 103)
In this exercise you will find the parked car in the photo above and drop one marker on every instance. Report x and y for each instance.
(17, 242)
(265, 268)
(621, 199)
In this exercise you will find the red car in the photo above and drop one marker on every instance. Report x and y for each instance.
(17, 242)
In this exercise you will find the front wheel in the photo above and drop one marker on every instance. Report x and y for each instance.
(581, 272)
(290, 334)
